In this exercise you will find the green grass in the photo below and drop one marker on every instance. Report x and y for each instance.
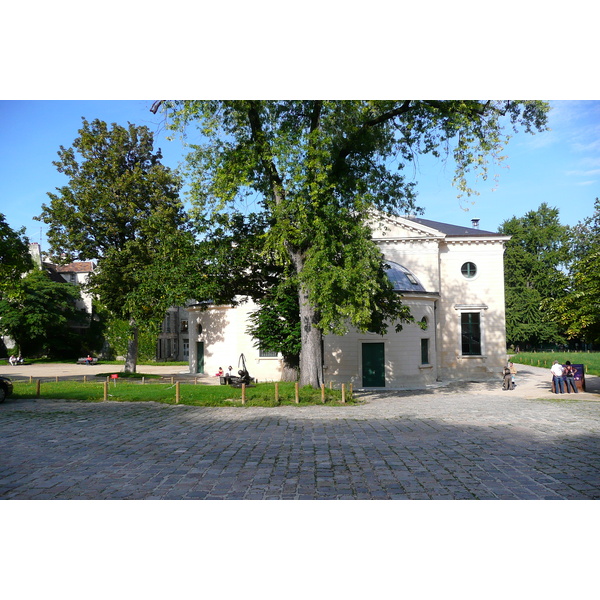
(591, 360)
(190, 394)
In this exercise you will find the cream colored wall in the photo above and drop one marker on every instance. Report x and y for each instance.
(483, 294)
(403, 369)
(225, 339)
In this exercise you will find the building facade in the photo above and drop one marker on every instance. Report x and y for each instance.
(452, 279)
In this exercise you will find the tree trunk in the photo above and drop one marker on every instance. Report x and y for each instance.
(132, 349)
(311, 354)
(289, 373)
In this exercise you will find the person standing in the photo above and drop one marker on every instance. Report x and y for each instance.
(569, 373)
(557, 377)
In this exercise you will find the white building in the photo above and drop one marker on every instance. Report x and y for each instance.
(451, 277)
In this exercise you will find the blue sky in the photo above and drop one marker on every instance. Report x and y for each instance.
(560, 167)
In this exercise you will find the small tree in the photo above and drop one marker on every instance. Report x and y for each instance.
(15, 259)
(40, 316)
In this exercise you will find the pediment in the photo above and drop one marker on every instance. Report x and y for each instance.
(391, 227)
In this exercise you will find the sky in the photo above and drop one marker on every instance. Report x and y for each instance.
(560, 167)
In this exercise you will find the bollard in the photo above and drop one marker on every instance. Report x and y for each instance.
(106, 390)
(343, 393)
(85, 379)
(351, 390)
(276, 393)
(195, 381)
(297, 391)
(143, 380)
(172, 380)
(323, 393)
(57, 379)
(177, 393)
(243, 393)
(38, 387)
(30, 379)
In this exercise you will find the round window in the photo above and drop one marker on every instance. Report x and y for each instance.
(469, 270)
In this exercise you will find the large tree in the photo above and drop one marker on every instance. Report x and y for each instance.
(578, 310)
(121, 207)
(320, 171)
(534, 270)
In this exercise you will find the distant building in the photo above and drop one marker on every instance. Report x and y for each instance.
(451, 277)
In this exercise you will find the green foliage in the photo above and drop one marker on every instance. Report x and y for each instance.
(320, 171)
(534, 270)
(191, 395)
(40, 314)
(118, 333)
(121, 207)
(578, 311)
(14, 256)
(591, 360)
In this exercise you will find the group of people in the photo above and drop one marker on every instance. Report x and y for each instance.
(15, 360)
(221, 373)
(563, 375)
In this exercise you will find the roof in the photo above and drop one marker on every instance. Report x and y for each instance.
(75, 267)
(402, 278)
(453, 230)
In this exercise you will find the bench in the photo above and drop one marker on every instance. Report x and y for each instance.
(84, 361)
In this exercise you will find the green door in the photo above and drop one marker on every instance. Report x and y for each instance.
(200, 358)
(373, 365)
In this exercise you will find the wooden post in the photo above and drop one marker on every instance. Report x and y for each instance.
(351, 390)
(297, 390)
(177, 393)
(57, 379)
(243, 393)
(195, 381)
(331, 385)
(343, 393)
(38, 388)
(31, 379)
(143, 380)
(323, 393)
(106, 390)
(276, 393)
(85, 379)
(172, 380)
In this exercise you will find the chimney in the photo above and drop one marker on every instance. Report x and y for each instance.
(475, 223)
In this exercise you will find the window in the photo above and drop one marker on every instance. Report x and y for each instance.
(184, 326)
(425, 351)
(469, 270)
(470, 327)
(264, 353)
(186, 349)
(424, 324)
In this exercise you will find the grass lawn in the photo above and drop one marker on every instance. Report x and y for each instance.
(194, 395)
(591, 360)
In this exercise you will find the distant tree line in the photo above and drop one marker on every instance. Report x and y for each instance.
(552, 280)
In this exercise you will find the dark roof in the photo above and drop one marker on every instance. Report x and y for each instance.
(452, 230)
(75, 267)
(402, 278)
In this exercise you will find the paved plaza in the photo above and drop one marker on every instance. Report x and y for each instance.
(455, 442)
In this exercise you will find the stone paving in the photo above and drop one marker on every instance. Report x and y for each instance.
(476, 442)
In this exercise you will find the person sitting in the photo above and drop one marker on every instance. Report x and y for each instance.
(89, 360)
(12, 360)
(220, 372)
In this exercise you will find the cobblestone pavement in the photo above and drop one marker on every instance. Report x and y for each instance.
(476, 443)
